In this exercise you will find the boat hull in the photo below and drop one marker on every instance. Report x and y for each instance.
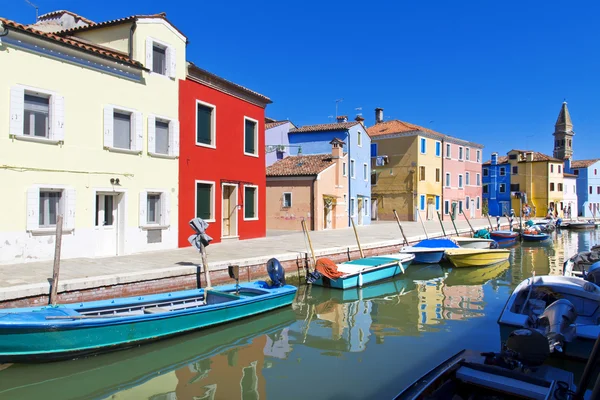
(32, 339)
(474, 243)
(431, 257)
(476, 258)
(535, 238)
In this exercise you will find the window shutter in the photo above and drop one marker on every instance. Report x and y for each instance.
(174, 138)
(138, 136)
(171, 62)
(165, 200)
(58, 118)
(108, 126)
(149, 45)
(151, 134)
(69, 209)
(33, 208)
(17, 104)
(143, 206)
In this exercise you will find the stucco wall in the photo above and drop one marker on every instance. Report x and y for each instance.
(497, 199)
(289, 218)
(570, 196)
(428, 189)
(589, 177)
(278, 136)
(115, 37)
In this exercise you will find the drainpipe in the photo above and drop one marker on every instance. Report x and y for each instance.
(131, 31)
(314, 204)
(442, 178)
(350, 181)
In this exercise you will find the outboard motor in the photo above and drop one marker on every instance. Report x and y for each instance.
(593, 273)
(557, 319)
(525, 348)
(276, 272)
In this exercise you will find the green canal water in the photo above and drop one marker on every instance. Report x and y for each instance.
(355, 344)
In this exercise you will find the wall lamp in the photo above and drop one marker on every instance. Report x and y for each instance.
(115, 181)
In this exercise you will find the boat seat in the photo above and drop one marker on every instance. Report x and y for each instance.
(501, 383)
(155, 310)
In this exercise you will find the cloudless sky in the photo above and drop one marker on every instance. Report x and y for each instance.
(493, 72)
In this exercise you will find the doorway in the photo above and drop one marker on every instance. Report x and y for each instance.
(360, 210)
(327, 215)
(430, 208)
(472, 208)
(229, 210)
(374, 214)
(108, 224)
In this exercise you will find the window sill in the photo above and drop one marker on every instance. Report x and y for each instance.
(208, 146)
(160, 155)
(124, 151)
(48, 231)
(154, 227)
(36, 139)
(250, 219)
(251, 154)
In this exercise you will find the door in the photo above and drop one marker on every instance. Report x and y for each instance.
(360, 210)
(327, 216)
(430, 208)
(472, 208)
(374, 215)
(107, 224)
(229, 210)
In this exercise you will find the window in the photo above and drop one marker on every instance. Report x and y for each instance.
(460, 207)
(598, 189)
(205, 200)
(373, 178)
(595, 172)
(422, 202)
(478, 179)
(160, 58)
(590, 190)
(485, 188)
(287, 199)
(448, 179)
(559, 187)
(477, 202)
(502, 188)
(359, 139)
(485, 172)
(50, 208)
(552, 186)
(250, 136)
(122, 132)
(153, 207)
(365, 172)
(576, 172)
(559, 169)
(205, 124)
(512, 156)
(467, 178)
(448, 151)
(352, 168)
(45, 204)
(365, 206)
(352, 207)
(502, 171)
(36, 114)
(460, 153)
(438, 149)
(468, 155)
(514, 187)
(515, 170)
(478, 157)
(123, 129)
(163, 136)
(467, 201)
(421, 173)
(423, 146)
(446, 207)
(344, 169)
(250, 202)
(437, 174)
(460, 181)
(551, 167)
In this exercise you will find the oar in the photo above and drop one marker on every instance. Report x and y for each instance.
(309, 243)
(401, 230)
(469, 222)
(422, 224)
(441, 223)
(357, 241)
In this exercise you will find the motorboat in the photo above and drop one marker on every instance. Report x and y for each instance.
(476, 257)
(473, 243)
(578, 264)
(429, 251)
(504, 237)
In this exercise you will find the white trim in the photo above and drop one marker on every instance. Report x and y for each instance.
(283, 200)
(67, 213)
(163, 119)
(28, 138)
(162, 22)
(257, 154)
(237, 210)
(167, 66)
(255, 204)
(163, 193)
(366, 169)
(461, 182)
(213, 125)
(212, 200)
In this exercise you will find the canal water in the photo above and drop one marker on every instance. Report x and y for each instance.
(331, 344)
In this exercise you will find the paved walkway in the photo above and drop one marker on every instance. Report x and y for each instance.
(31, 279)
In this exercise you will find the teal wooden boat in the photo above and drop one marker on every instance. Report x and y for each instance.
(65, 331)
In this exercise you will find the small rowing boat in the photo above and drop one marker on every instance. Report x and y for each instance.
(476, 257)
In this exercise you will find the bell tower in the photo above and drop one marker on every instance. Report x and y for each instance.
(563, 134)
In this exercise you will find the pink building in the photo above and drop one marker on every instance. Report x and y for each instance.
(461, 178)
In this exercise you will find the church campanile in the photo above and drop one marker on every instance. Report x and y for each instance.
(563, 134)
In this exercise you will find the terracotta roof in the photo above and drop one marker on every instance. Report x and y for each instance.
(336, 126)
(501, 160)
(58, 12)
(567, 175)
(537, 156)
(118, 21)
(583, 163)
(397, 126)
(274, 124)
(73, 42)
(300, 165)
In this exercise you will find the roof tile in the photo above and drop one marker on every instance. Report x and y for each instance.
(583, 163)
(336, 126)
(300, 165)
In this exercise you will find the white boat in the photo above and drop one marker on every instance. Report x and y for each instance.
(473, 243)
(578, 264)
(565, 309)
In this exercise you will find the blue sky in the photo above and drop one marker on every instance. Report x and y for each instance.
(492, 72)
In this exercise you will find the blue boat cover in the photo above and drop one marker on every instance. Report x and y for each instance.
(437, 243)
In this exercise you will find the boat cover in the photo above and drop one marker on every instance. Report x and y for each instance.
(437, 243)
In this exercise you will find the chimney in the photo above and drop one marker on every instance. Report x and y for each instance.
(378, 115)
(342, 118)
(360, 119)
(494, 159)
(337, 153)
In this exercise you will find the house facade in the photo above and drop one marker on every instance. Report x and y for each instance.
(222, 162)
(496, 185)
(316, 139)
(277, 141)
(308, 187)
(588, 186)
(570, 204)
(90, 131)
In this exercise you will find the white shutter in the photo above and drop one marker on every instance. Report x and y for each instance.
(69, 209)
(17, 104)
(171, 62)
(174, 138)
(151, 134)
(143, 206)
(109, 126)
(33, 208)
(138, 136)
(149, 45)
(57, 118)
(165, 200)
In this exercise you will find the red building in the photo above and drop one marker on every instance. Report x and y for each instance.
(222, 159)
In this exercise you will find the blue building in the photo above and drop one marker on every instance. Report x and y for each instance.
(316, 139)
(588, 186)
(496, 185)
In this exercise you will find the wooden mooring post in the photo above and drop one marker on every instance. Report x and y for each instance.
(56, 267)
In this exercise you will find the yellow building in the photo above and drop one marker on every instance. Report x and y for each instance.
(540, 178)
(89, 129)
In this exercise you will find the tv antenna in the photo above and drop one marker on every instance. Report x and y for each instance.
(336, 106)
(358, 109)
(36, 9)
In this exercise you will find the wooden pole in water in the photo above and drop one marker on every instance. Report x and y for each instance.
(454, 224)
(205, 266)
(357, 241)
(469, 222)
(442, 224)
(56, 268)
(490, 222)
(400, 226)
(309, 243)
(422, 224)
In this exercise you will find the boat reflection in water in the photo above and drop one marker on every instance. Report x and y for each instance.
(214, 363)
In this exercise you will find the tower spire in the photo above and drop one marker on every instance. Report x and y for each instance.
(563, 134)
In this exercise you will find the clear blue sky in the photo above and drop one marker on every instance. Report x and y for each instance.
(491, 72)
